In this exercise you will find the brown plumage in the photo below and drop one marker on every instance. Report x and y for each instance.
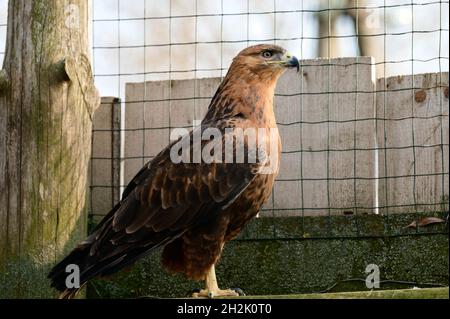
(192, 209)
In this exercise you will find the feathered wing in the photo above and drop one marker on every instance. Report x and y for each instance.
(161, 203)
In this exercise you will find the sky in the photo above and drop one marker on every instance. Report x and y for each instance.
(131, 38)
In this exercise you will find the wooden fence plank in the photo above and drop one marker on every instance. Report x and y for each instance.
(334, 101)
(105, 161)
(327, 119)
(299, 97)
(413, 135)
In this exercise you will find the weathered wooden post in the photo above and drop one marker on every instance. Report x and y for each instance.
(47, 98)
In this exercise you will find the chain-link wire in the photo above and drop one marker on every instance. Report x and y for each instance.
(182, 36)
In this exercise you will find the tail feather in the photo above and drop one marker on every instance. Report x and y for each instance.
(100, 258)
(58, 274)
(92, 266)
(69, 293)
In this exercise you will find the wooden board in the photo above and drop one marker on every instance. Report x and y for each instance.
(311, 121)
(413, 137)
(105, 161)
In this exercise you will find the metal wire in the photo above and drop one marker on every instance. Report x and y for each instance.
(303, 39)
(329, 9)
(273, 39)
(381, 120)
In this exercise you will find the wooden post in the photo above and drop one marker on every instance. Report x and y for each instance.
(105, 161)
(413, 140)
(47, 98)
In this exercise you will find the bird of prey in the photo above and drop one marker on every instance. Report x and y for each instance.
(191, 208)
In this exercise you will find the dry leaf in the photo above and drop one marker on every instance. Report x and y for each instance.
(425, 221)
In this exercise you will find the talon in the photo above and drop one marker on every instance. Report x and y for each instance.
(239, 291)
(195, 293)
(212, 289)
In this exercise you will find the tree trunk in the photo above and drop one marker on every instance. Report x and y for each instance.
(328, 44)
(370, 25)
(47, 98)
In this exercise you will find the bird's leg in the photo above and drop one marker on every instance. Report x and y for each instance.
(212, 289)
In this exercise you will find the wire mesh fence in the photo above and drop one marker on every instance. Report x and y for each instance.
(364, 124)
(361, 136)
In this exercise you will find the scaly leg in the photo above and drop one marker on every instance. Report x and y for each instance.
(212, 289)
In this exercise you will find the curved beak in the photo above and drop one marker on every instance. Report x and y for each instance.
(290, 61)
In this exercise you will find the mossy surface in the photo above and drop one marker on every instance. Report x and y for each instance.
(427, 293)
(26, 276)
(44, 208)
(294, 255)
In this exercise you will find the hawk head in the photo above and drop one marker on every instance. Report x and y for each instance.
(265, 60)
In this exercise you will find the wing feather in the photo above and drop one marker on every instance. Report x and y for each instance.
(164, 200)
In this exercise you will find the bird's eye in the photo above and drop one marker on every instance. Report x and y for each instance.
(267, 54)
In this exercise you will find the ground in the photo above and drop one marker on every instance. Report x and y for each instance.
(427, 293)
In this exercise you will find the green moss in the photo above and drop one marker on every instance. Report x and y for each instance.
(53, 217)
(43, 17)
(26, 276)
(294, 263)
(427, 293)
